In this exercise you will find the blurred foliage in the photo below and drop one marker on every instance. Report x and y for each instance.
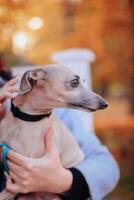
(120, 140)
(115, 128)
(106, 27)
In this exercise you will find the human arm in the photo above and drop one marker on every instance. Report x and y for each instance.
(99, 168)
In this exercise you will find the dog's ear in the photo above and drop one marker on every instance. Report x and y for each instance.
(29, 78)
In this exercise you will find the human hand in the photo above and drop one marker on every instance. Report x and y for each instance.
(45, 174)
(9, 88)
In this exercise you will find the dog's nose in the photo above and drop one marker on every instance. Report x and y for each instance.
(103, 104)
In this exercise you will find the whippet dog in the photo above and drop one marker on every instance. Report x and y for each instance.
(42, 90)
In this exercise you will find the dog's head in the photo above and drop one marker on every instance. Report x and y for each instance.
(56, 86)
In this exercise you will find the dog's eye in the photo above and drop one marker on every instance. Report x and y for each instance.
(74, 83)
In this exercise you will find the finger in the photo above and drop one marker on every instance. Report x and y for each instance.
(12, 82)
(50, 143)
(12, 89)
(6, 175)
(48, 140)
(8, 178)
(14, 168)
(12, 187)
(17, 158)
(5, 95)
(14, 177)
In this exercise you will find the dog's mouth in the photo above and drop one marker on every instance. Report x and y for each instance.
(82, 107)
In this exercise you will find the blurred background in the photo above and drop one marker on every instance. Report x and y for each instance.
(31, 31)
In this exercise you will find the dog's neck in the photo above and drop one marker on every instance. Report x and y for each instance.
(30, 105)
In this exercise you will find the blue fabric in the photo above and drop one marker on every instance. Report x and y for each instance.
(99, 167)
(3, 166)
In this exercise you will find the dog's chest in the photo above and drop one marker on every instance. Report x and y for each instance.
(26, 138)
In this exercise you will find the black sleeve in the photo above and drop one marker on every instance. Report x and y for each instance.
(79, 189)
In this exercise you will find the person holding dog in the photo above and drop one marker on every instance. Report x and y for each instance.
(93, 178)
